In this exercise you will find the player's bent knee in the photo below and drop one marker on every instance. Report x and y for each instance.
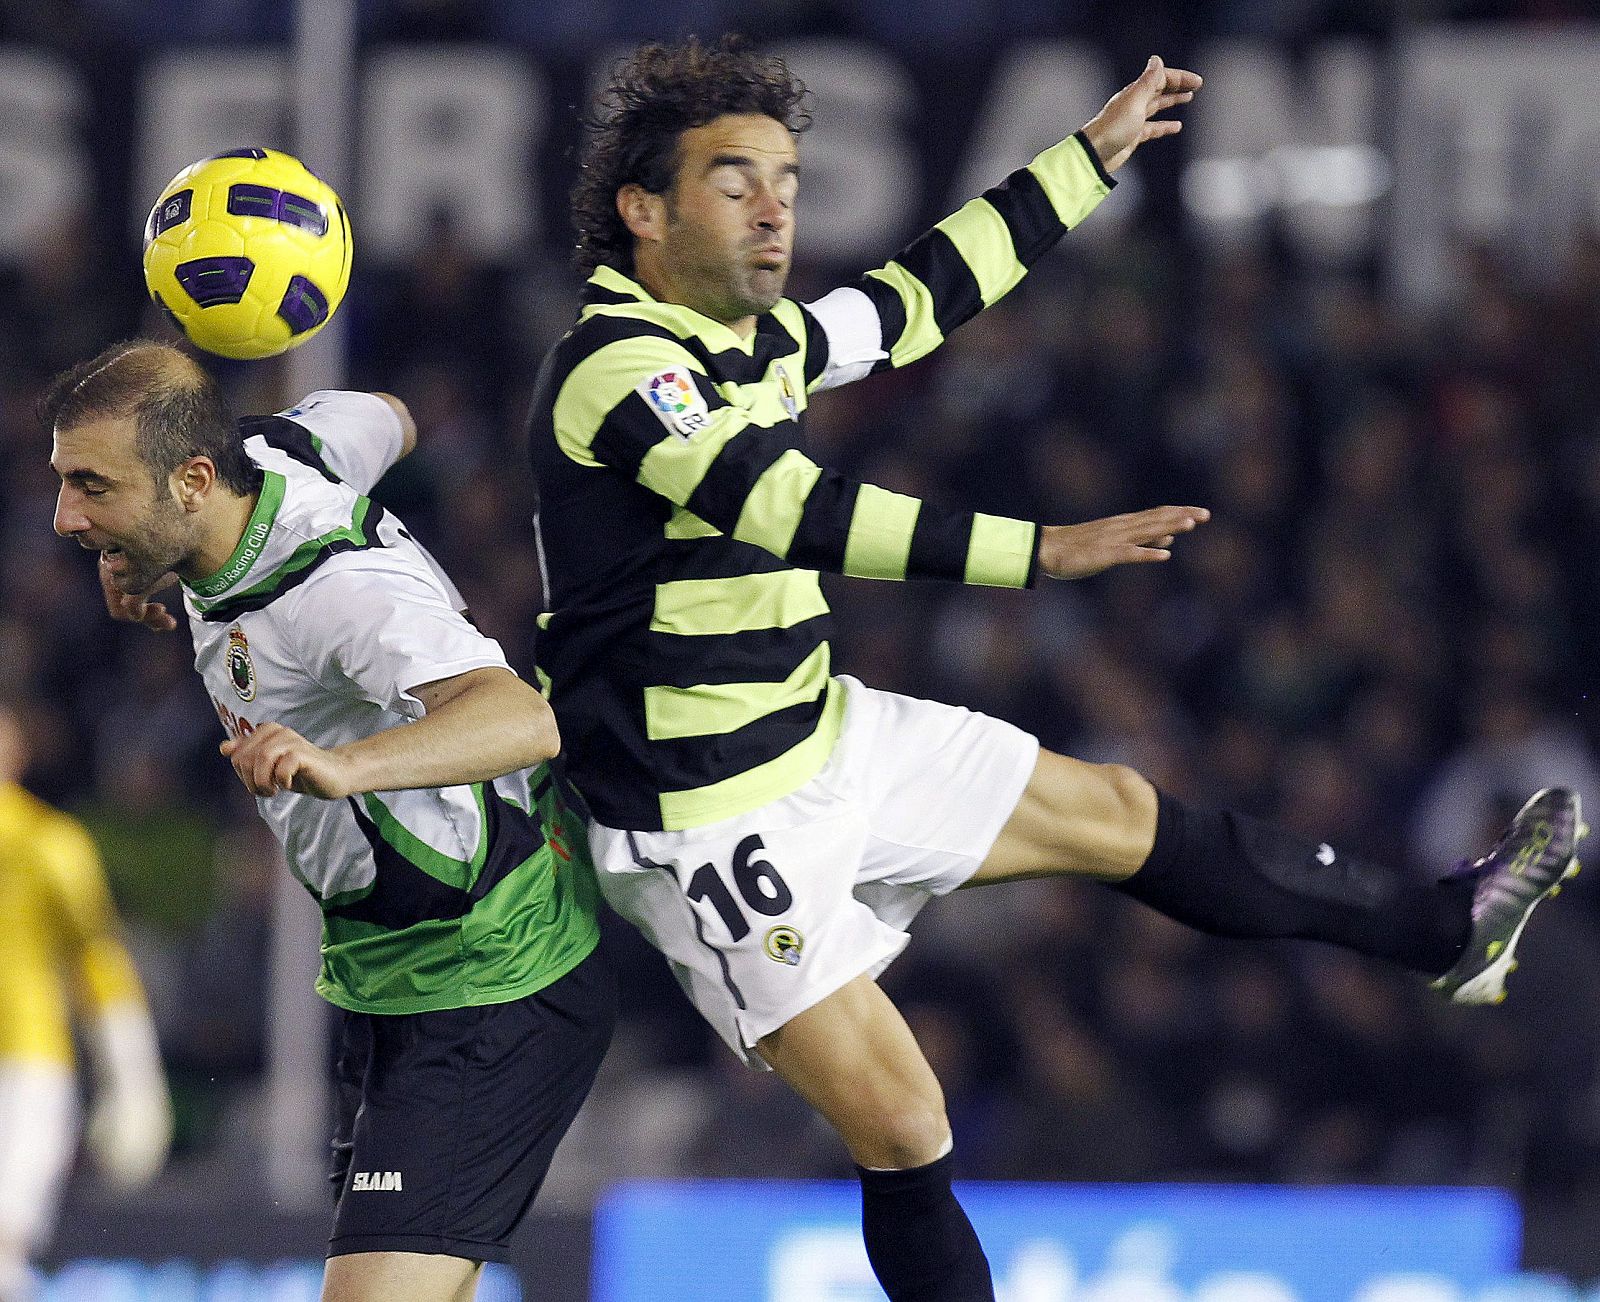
(901, 1137)
(1123, 821)
(1075, 818)
(1130, 797)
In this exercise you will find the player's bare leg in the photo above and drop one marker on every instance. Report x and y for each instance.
(400, 1277)
(854, 1059)
(1088, 820)
(1231, 875)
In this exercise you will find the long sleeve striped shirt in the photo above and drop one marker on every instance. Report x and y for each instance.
(682, 524)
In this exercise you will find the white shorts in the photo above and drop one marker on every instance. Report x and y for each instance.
(767, 913)
(38, 1135)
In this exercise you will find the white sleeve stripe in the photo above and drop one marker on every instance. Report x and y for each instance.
(855, 336)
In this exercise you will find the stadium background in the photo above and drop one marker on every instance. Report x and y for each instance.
(1355, 309)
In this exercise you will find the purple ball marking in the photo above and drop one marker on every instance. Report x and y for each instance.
(247, 200)
(304, 306)
(210, 281)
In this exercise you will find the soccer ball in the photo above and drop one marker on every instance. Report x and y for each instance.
(248, 252)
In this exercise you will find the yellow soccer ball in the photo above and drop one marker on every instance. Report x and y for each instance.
(248, 252)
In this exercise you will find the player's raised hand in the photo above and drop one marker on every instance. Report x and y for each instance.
(136, 607)
(1075, 551)
(274, 758)
(1129, 117)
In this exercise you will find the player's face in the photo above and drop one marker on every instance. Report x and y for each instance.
(111, 504)
(730, 216)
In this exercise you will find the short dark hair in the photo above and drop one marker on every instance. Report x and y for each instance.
(177, 408)
(655, 95)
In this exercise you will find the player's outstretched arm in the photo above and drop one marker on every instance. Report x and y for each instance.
(747, 481)
(1075, 551)
(978, 254)
(478, 725)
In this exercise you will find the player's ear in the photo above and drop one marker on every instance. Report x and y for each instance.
(193, 481)
(643, 213)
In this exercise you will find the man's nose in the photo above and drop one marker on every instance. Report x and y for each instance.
(69, 520)
(770, 212)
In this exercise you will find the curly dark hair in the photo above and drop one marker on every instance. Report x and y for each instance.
(656, 95)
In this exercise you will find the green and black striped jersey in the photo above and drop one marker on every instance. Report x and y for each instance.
(682, 524)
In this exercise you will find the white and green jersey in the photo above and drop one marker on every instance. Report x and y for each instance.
(327, 618)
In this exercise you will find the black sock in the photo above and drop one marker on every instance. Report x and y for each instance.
(1231, 875)
(921, 1245)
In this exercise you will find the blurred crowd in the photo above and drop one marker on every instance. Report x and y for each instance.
(1386, 638)
(564, 27)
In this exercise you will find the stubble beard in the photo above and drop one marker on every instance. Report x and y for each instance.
(758, 289)
(731, 293)
(162, 547)
(764, 300)
(727, 288)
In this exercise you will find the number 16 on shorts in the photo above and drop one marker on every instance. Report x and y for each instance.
(757, 888)
(759, 923)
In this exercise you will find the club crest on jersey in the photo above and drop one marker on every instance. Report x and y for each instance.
(241, 672)
(783, 945)
(676, 399)
(786, 391)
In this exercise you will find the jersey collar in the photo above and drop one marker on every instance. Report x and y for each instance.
(252, 542)
(608, 287)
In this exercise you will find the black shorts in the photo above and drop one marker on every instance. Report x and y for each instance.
(447, 1121)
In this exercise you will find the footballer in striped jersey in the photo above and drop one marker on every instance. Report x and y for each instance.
(770, 825)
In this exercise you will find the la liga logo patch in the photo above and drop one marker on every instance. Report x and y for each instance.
(675, 398)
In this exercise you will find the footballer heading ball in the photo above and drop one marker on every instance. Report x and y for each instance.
(248, 252)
